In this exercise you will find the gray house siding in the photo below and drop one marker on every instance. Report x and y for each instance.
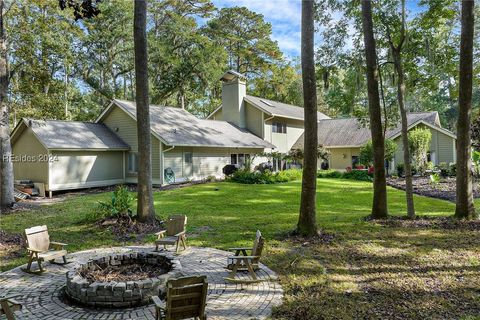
(27, 145)
(126, 128)
(79, 169)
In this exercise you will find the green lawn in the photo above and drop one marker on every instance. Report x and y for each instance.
(368, 271)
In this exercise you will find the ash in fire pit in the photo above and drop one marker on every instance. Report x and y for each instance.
(121, 281)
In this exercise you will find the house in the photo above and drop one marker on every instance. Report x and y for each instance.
(343, 138)
(277, 123)
(66, 155)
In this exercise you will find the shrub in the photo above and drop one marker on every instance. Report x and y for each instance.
(329, 174)
(366, 152)
(360, 175)
(452, 170)
(476, 162)
(120, 204)
(400, 169)
(419, 142)
(266, 177)
(444, 169)
(430, 165)
(210, 179)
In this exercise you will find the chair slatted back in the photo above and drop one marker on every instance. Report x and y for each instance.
(258, 246)
(186, 297)
(37, 238)
(176, 223)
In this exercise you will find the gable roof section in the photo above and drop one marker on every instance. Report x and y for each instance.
(279, 109)
(178, 127)
(72, 135)
(345, 133)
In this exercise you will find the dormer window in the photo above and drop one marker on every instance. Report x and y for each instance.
(278, 127)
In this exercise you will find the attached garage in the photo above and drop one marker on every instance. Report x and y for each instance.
(67, 155)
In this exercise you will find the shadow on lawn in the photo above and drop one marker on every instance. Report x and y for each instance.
(382, 274)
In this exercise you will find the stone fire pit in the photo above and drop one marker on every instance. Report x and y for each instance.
(121, 294)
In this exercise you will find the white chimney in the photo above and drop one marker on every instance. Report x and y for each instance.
(233, 91)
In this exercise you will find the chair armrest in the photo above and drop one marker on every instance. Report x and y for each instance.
(243, 257)
(34, 250)
(10, 297)
(180, 234)
(158, 303)
(238, 249)
(58, 244)
(160, 234)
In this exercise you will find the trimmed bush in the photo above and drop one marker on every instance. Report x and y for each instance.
(360, 175)
(266, 177)
(329, 174)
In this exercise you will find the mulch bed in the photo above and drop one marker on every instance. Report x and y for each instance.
(445, 189)
(125, 228)
(129, 272)
(321, 238)
(428, 222)
(10, 245)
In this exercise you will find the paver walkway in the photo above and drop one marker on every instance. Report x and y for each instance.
(42, 295)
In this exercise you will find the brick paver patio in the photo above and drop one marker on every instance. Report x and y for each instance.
(42, 295)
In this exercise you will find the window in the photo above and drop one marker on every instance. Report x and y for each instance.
(241, 159)
(278, 127)
(355, 161)
(133, 162)
(188, 157)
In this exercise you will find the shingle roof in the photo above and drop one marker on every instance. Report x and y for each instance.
(178, 127)
(275, 108)
(56, 134)
(349, 132)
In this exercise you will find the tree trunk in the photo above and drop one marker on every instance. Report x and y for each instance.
(465, 207)
(145, 210)
(397, 59)
(307, 225)
(379, 206)
(6, 165)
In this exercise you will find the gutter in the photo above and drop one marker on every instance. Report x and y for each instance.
(264, 123)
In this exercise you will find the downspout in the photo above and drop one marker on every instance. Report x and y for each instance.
(264, 123)
(163, 162)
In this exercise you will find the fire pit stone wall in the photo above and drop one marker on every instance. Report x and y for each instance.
(121, 294)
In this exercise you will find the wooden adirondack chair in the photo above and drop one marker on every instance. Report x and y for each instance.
(242, 261)
(186, 298)
(8, 305)
(40, 248)
(174, 234)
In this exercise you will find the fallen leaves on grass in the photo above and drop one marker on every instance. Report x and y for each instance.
(446, 223)
(10, 245)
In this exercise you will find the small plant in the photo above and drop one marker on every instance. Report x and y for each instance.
(430, 166)
(444, 169)
(210, 179)
(400, 169)
(452, 170)
(434, 179)
(120, 204)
